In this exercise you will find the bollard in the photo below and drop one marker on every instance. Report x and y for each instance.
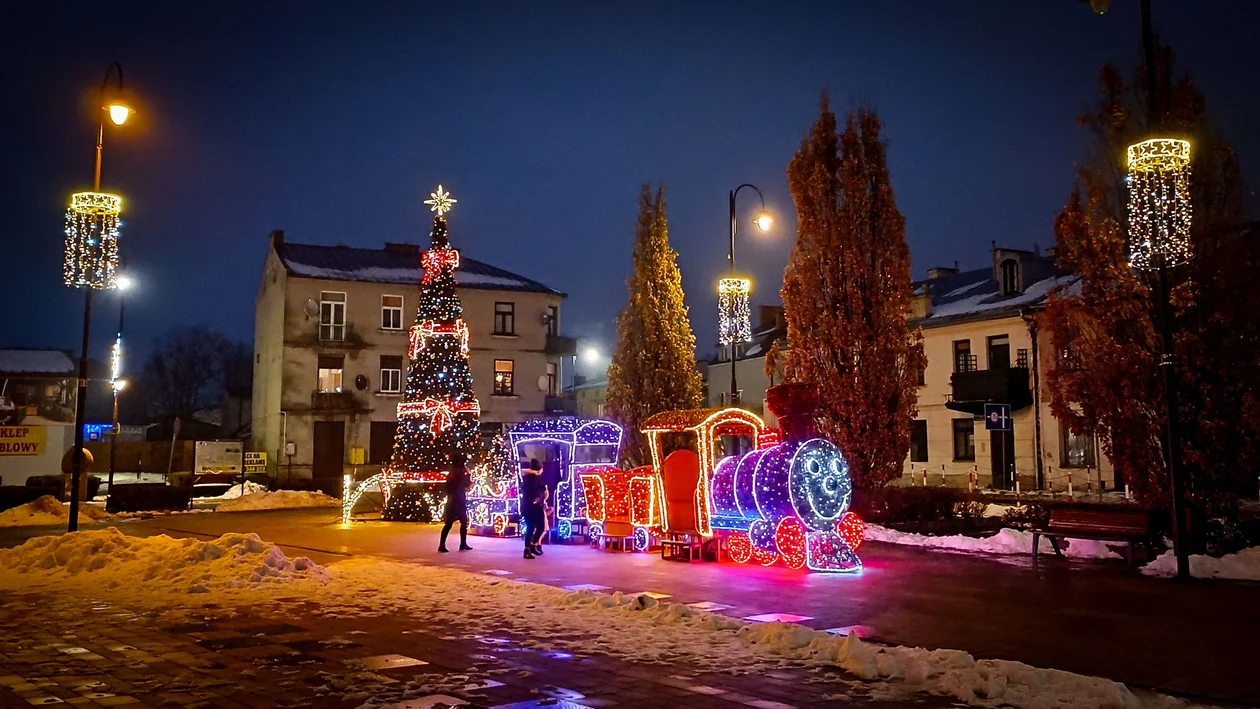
(971, 484)
(1126, 492)
(1070, 498)
(942, 475)
(925, 476)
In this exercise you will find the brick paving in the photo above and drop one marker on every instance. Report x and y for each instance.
(59, 650)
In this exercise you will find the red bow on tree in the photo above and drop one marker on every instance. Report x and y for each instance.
(434, 260)
(440, 411)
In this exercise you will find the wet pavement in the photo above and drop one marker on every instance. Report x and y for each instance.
(1096, 618)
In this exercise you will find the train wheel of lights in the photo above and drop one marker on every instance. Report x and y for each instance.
(789, 539)
(500, 524)
(764, 557)
(564, 529)
(593, 533)
(739, 547)
(851, 529)
(642, 539)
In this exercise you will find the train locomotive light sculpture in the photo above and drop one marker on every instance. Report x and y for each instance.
(789, 501)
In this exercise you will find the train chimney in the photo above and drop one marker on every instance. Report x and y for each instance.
(794, 406)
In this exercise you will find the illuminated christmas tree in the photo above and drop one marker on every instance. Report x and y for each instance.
(438, 415)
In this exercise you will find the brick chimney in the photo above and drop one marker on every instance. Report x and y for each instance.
(277, 238)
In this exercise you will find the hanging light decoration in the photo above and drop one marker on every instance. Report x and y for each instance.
(92, 226)
(1159, 203)
(734, 317)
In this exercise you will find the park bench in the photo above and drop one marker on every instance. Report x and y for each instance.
(1124, 527)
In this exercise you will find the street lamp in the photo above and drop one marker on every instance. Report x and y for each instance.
(91, 258)
(1159, 240)
(734, 316)
(590, 355)
(122, 284)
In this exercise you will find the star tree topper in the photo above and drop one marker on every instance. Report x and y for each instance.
(440, 201)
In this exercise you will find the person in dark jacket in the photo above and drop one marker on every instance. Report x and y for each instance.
(457, 484)
(533, 497)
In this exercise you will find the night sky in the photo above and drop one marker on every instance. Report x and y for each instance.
(544, 119)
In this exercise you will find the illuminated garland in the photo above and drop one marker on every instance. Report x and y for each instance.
(1159, 203)
(92, 228)
(734, 319)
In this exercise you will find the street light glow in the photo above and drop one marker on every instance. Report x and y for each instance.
(764, 221)
(118, 113)
(120, 384)
(124, 283)
(590, 355)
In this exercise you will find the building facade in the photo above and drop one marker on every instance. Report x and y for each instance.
(983, 345)
(330, 351)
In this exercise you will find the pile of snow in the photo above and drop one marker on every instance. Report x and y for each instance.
(1243, 566)
(278, 500)
(107, 559)
(1006, 541)
(48, 511)
(249, 488)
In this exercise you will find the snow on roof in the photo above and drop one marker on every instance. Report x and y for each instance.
(986, 300)
(394, 265)
(21, 361)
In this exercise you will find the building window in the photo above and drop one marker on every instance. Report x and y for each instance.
(964, 361)
(505, 318)
(332, 316)
(391, 374)
(1000, 352)
(391, 312)
(503, 377)
(553, 320)
(1010, 277)
(918, 441)
(921, 375)
(964, 439)
(330, 372)
(1077, 449)
(551, 378)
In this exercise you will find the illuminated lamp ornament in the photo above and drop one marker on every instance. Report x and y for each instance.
(734, 318)
(642, 539)
(851, 529)
(740, 547)
(92, 228)
(564, 529)
(789, 540)
(1159, 203)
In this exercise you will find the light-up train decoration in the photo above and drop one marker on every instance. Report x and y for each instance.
(782, 501)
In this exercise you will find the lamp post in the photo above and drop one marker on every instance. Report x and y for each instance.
(734, 318)
(117, 383)
(1159, 237)
(92, 259)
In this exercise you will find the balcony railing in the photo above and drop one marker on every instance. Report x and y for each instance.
(561, 346)
(972, 389)
(560, 404)
(335, 401)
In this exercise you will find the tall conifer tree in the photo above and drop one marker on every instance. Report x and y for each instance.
(846, 295)
(654, 365)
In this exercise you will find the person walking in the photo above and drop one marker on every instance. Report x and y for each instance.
(533, 497)
(457, 484)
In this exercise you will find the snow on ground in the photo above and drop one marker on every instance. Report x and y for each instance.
(48, 511)
(1006, 541)
(1243, 566)
(107, 558)
(158, 572)
(278, 500)
(236, 491)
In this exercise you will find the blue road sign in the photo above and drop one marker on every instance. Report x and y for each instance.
(997, 417)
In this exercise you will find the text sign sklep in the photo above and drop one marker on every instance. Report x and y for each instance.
(23, 440)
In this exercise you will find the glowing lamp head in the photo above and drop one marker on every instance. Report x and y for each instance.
(590, 355)
(124, 283)
(118, 112)
(120, 384)
(764, 221)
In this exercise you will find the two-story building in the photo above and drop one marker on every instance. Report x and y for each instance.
(330, 351)
(983, 344)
